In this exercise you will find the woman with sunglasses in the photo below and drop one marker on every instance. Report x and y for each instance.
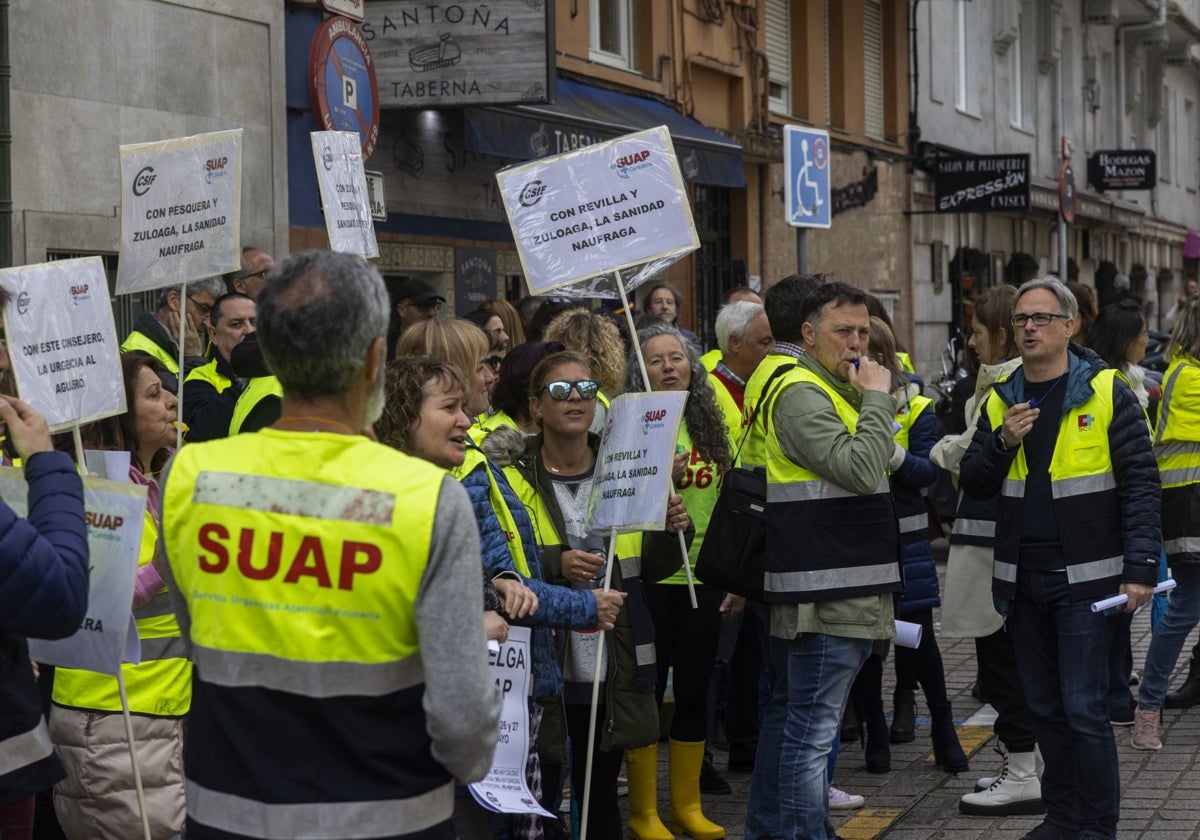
(508, 546)
(598, 340)
(684, 638)
(553, 477)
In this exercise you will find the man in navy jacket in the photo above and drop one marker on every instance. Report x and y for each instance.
(43, 594)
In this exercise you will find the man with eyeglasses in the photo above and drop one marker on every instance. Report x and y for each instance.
(1064, 445)
(416, 301)
(255, 265)
(210, 392)
(156, 334)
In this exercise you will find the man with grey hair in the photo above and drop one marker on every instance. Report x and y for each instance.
(744, 340)
(1064, 445)
(156, 334)
(335, 691)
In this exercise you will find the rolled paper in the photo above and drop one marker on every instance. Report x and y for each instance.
(1120, 600)
(908, 634)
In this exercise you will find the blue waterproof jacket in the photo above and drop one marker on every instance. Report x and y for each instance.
(909, 479)
(43, 594)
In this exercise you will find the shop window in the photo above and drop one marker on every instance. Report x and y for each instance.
(612, 32)
(779, 65)
(716, 270)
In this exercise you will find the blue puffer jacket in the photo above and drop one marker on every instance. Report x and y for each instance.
(558, 606)
(43, 593)
(909, 479)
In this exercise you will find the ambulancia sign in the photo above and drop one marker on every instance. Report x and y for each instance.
(1123, 169)
(982, 184)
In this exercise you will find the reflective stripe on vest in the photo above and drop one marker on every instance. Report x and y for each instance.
(139, 342)
(161, 683)
(964, 527)
(208, 373)
(1182, 545)
(852, 577)
(918, 524)
(814, 490)
(310, 679)
(475, 459)
(25, 748)
(321, 820)
(257, 389)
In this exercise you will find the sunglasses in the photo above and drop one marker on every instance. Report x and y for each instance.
(560, 389)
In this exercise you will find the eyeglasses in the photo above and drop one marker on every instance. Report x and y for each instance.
(433, 305)
(255, 274)
(203, 308)
(493, 362)
(560, 389)
(1040, 319)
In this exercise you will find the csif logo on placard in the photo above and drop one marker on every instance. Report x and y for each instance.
(23, 302)
(631, 163)
(143, 180)
(532, 193)
(215, 168)
(653, 419)
(79, 292)
(327, 158)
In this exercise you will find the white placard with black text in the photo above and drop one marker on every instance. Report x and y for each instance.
(345, 197)
(181, 209)
(61, 341)
(620, 205)
(632, 480)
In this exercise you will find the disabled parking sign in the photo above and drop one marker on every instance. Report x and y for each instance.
(806, 177)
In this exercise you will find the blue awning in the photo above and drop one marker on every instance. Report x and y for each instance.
(585, 115)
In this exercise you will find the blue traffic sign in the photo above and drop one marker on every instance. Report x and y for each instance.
(806, 177)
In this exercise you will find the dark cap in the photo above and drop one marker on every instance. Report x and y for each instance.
(418, 291)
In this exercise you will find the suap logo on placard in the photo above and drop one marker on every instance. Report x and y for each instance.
(215, 168)
(79, 292)
(143, 180)
(23, 301)
(631, 163)
(532, 193)
(653, 419)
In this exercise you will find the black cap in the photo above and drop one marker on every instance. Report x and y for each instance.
(418, 291)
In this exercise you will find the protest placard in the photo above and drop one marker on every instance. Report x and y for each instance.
(504, 789)
(344, 195)
(181, 208)
(580, 217)
(633, 468)
(116, 513)
(61, 341)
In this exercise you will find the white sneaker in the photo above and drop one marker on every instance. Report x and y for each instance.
(839, 800)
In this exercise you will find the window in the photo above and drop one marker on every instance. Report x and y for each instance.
(612, 32)
(1022, 77)
(964, 96)
(778, 32)
(1192, 175)
(1164, 137)
(873, 68)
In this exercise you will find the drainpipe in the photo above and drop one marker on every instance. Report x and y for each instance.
(6, 204)
(1123, 30)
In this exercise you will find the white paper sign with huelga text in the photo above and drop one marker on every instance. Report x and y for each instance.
(116, 514)
(181, 208)
(580, 216)
(344, 194)
(632, 480)
(62, 344)
(504, 789)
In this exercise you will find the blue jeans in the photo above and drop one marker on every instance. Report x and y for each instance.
(1183, 613)
(1062, 656)
(762, 809)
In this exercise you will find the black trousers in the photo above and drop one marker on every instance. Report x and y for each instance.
(604, 813)
(1001, 686)
(685, 639)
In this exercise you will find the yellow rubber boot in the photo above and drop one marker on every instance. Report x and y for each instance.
(686, 817)
(642, 770)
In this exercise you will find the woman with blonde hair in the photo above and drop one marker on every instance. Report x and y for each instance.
(512, 321)
(456, 342)
(598, 340)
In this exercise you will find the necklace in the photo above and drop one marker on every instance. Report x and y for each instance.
(1036, 401)
(298, 417)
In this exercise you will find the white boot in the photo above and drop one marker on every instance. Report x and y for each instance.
(985, 782)
(1014, 792)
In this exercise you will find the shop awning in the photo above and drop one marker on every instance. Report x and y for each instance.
(1191, 245)
(585, 114)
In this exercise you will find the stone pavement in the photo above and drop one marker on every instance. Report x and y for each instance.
(916, 801)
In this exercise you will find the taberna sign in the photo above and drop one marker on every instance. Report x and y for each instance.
(981, 184)
(1123, 169)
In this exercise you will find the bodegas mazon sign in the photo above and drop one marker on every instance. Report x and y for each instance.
(1123, 169)
(433, 54)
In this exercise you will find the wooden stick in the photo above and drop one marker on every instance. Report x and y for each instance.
(587, 773)
(137, 771)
